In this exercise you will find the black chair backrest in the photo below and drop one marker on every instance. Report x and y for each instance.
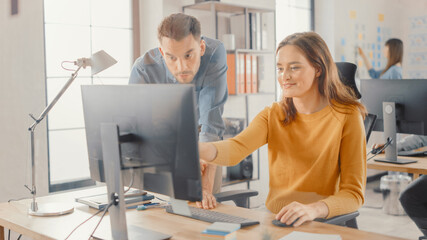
(347, 71)
(369, 124)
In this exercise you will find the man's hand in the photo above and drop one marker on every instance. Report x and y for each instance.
(298, 213)
(208, 201)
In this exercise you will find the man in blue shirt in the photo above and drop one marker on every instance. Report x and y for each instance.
(184, 56)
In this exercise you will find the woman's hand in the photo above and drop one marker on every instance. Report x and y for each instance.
(360, 51)
(365, 59)
(208, 201)
(298, 213)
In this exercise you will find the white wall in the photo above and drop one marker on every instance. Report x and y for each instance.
(346, 24)
(151, 14)
(324, 20)
(22, 91)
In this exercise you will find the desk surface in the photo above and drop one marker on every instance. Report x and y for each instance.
(14, 216)
(417, 168)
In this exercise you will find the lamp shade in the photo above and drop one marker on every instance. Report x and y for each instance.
(101, 61)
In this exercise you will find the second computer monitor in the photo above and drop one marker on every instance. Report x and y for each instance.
(402, 100)
(158, 135)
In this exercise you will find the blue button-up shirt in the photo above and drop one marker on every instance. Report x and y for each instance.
(210, 84)
(394, 72)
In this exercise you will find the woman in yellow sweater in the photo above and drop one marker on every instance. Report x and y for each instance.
(315, 135)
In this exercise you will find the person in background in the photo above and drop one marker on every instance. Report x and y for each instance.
(393, 51)
(315, 136)
(186, 57)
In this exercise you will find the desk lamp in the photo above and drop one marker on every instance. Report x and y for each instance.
(98, 62)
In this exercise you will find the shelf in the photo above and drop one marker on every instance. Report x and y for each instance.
(226, 7)
(254, 34)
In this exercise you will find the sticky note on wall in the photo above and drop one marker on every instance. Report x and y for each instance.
(381, 17)
(352, 14)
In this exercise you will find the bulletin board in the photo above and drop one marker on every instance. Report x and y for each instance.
(369, 24)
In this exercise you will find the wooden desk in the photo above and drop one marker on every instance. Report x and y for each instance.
(14, 216)
(417, 168)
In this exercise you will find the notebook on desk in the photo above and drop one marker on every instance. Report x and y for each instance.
(100, 201)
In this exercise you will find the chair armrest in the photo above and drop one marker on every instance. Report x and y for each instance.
(239, 197)
(339, 220)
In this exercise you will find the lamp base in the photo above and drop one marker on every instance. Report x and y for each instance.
(52, 209)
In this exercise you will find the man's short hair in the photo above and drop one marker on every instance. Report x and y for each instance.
(178, 26)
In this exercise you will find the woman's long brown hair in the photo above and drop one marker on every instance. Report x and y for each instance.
(395, 53)
(330, 86)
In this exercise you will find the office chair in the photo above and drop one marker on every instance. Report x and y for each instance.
(239, 197)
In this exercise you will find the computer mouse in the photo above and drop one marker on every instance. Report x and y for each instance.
(280, 224)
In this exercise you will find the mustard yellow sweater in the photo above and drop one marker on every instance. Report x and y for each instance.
(318, 157)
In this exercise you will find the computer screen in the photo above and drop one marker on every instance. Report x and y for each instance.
(158, 135)
(409, 97)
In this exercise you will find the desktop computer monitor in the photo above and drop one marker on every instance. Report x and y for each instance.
(158, 135)
(400, 106)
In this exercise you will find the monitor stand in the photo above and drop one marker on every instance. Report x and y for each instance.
(389, 115)
(112, 167)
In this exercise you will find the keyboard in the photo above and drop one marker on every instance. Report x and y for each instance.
(212, 216)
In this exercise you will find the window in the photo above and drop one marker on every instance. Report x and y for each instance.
(76, 29)
(293, 16)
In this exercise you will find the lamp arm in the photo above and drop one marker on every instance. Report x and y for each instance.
(33, 126)
(57, 97)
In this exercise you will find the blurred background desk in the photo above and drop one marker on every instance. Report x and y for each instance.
(416, 169)
(14, 216)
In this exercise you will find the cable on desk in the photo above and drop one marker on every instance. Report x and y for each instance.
(378, 151)
(100, 220)
(131, 181)
(160, 199)
(83, 223)
(19, 199)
